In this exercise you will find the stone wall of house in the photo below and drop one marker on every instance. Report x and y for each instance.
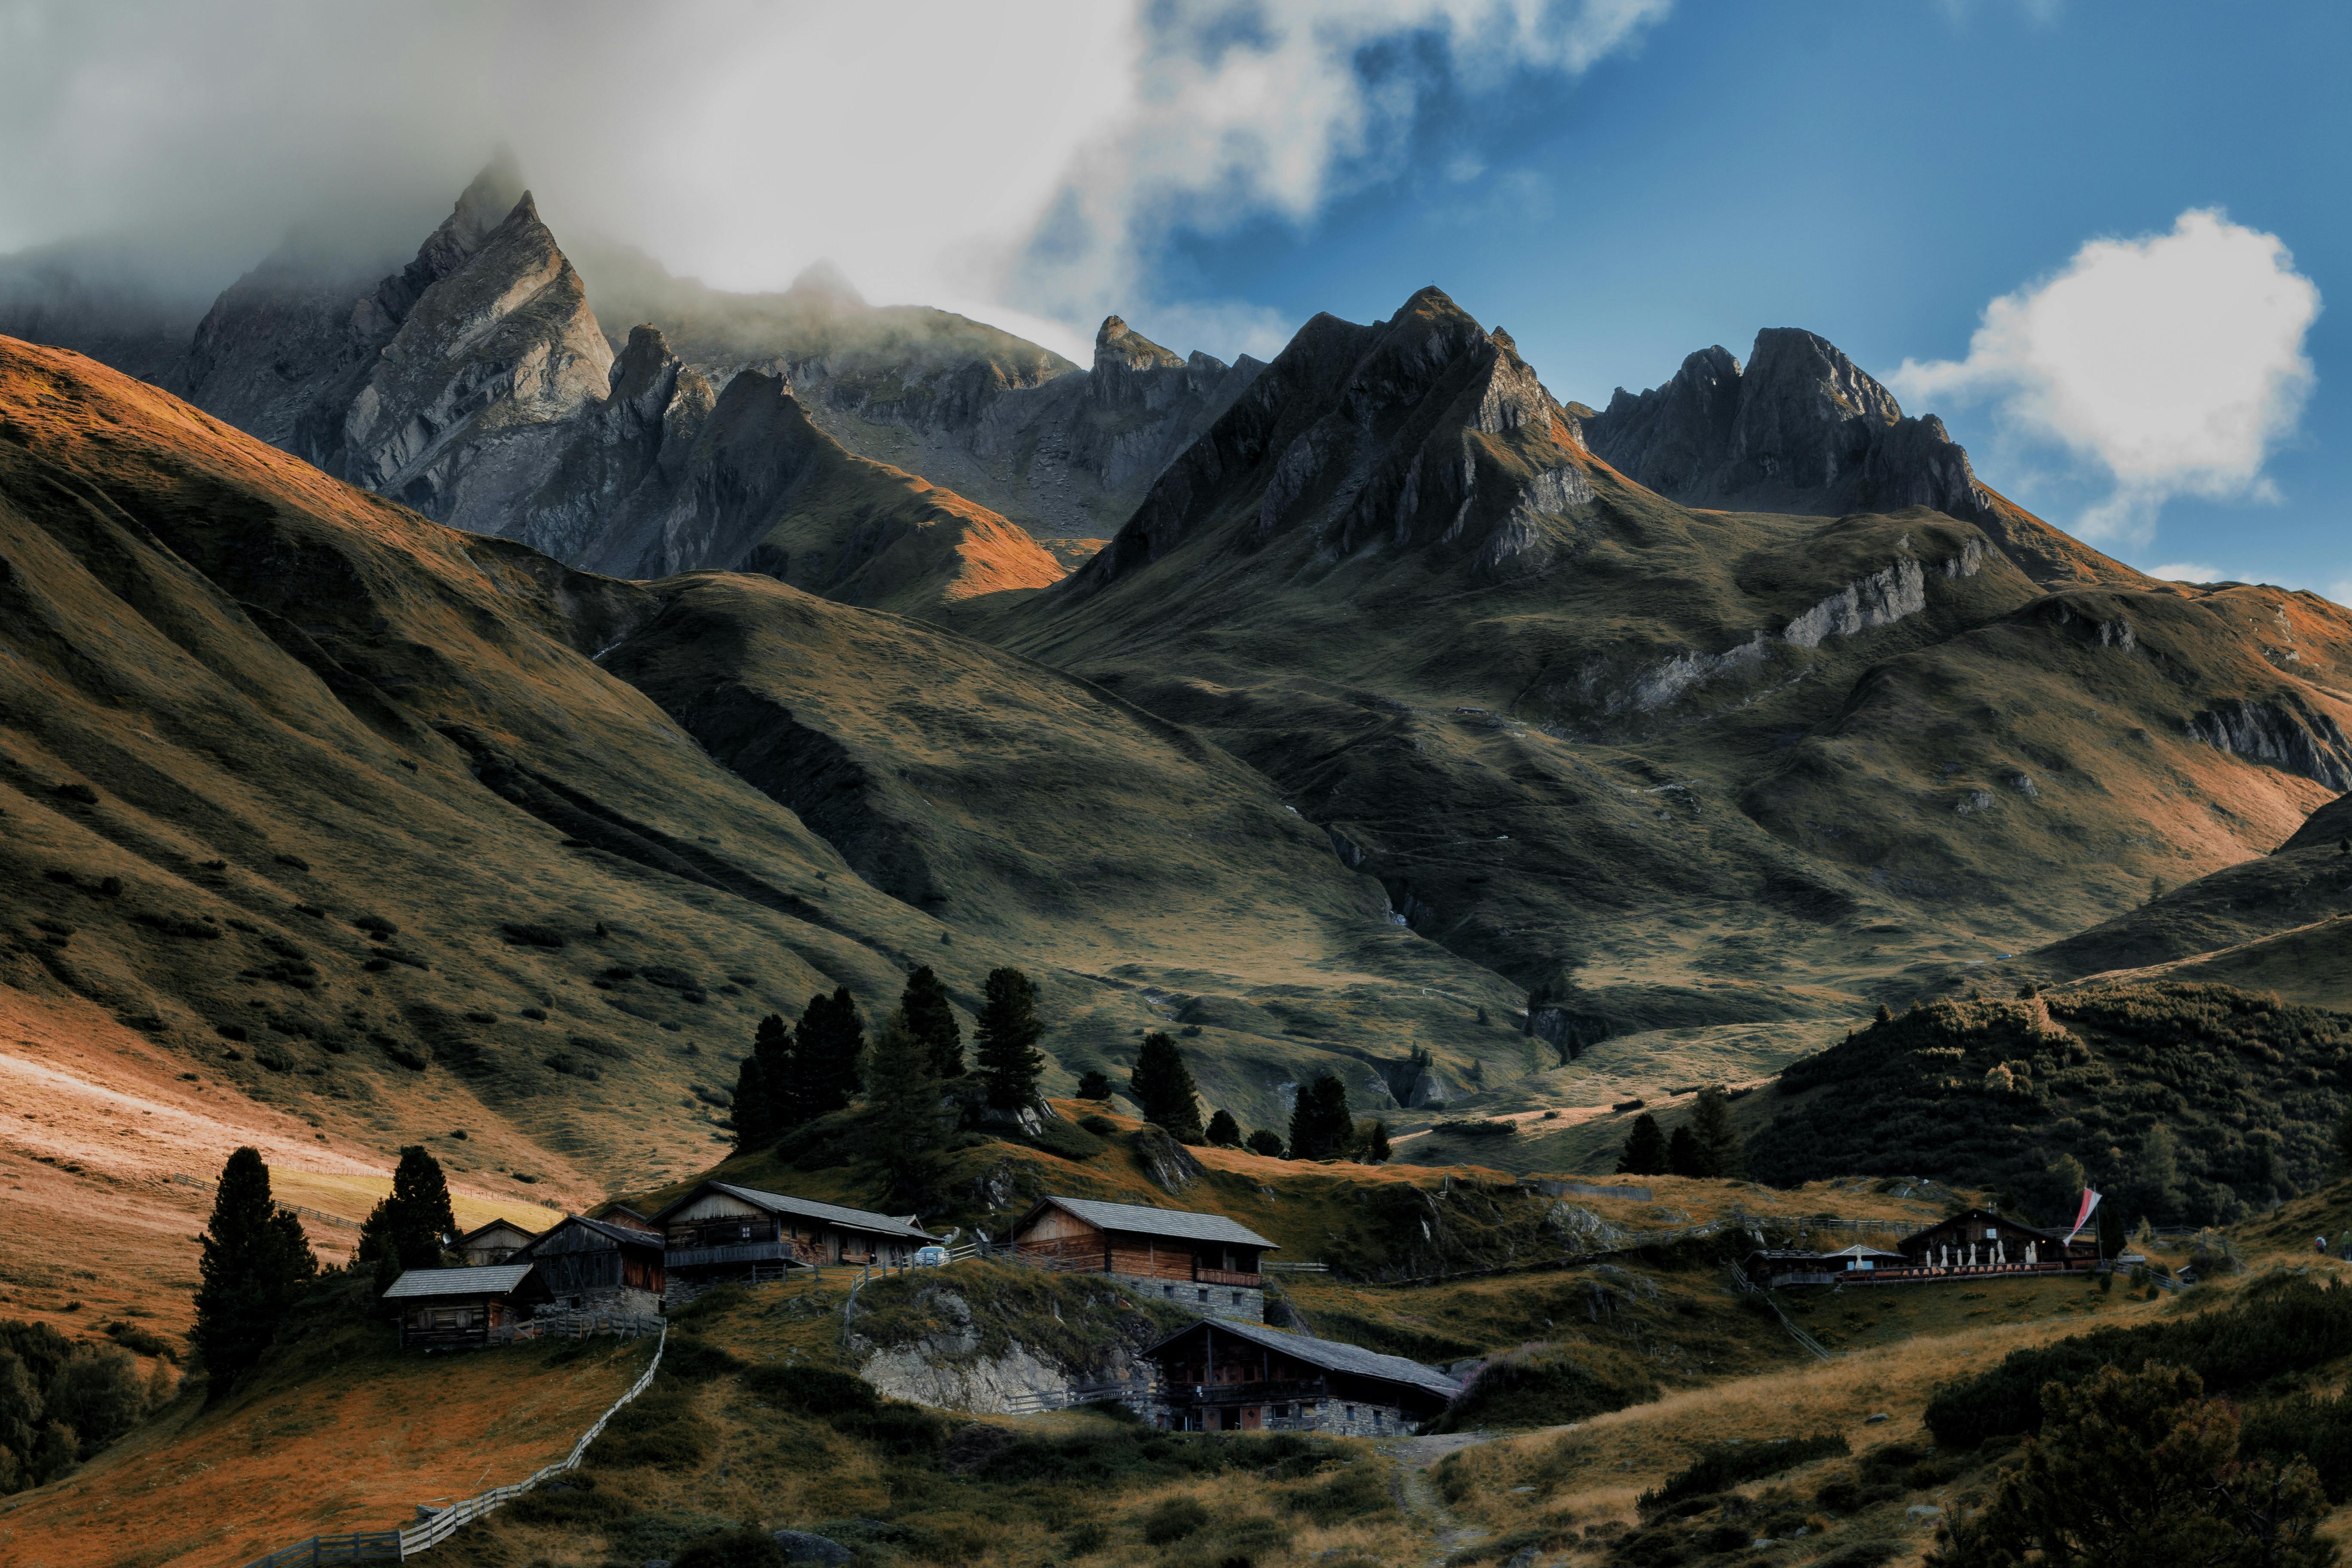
(1241, 1304)
(617, 1301)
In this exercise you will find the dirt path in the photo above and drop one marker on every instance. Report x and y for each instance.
(1417, 1494)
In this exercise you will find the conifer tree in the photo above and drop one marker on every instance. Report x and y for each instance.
(2111, 1229)
(1094, 1084)
(763, 1085)
(411, 1225)
(827, 1047)
(1262, 1142)
(1376, 1150)
(255, 1263)
(1321, 1126)
(1163, 1087)
(906, 1132)
(1007, 1057)
(1684, 1155)
(924, 1004)
(1224, 1130)
(1719, 1143)
(1644, 1154)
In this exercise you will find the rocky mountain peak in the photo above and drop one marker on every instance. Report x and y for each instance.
(1120, 346)
(1801, 428)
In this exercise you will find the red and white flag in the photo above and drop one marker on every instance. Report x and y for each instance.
(2082, 1218)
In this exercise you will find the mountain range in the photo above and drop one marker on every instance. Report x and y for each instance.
(480, 690)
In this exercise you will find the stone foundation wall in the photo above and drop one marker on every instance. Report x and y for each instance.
(1240, 1303)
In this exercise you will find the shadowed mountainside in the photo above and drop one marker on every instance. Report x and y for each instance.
(1668, 767)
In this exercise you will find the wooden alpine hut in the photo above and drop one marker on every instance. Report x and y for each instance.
(1223, 1376)
(1203, 1262)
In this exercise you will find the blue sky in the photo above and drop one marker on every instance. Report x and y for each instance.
(1617, 181)
(1877, 174)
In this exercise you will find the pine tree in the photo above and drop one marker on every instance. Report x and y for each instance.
(1685, 1154)
(1094, 1084)
(1224, 1130)
(763, 1085)
(907, 1131)
(1163, 1086)
(2111, 1229)
(409, 1227)
(924, 1004)
(1376, 1151)
(826, 1047)
(1718, 1142)
(255, 1264)
(1645, 1149)
(1007, 1056)
(1321, 1126)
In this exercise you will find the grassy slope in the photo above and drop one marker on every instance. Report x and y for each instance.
(1784, 841)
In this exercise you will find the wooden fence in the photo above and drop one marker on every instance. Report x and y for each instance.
(439, 1524)
(307, 1212)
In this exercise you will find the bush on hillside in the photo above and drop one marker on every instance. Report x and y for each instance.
(1544, 1385)
(61, 1402)
(2183, 1102)
(2283, 1324)
(1723, 1466)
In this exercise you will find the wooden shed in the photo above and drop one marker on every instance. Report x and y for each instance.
(593, 1265)
(494, 1242)
(720, 1231)
(1220, 1376)
(1202, 1261)
(457, 1308)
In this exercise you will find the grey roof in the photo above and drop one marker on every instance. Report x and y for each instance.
(1183, 1223)
(808, 1208)
(1985, 1217)
(1330, 1354)
(628, 1235)
(491, 1279)
(522, 1230)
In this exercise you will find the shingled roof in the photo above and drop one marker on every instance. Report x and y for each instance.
(492, 1279)
(1330, 1354)
(805, 1208)
(1182, 1224)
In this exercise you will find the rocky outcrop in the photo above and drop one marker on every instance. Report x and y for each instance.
(1803, 429)
(473, 365)
(1421, 434)
(2285, 732)
(1168, 1162)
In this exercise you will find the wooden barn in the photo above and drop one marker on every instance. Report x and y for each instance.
(494, 1242)
(1201, 1261)
(720, 1231)
(595, 1266)
(457, 1308)
(1221, 1376)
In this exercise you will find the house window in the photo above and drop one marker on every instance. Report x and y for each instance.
(1205, 1292)
(1282, 1412)
(1351, 1412)
(1169, 1290)
(1237, 1297)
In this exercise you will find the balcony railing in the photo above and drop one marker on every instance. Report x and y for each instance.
(1227, 1277)
(738, 1252)
(1276, 1392)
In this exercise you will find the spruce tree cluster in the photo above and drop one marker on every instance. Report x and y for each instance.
(1162, 1087)
(909, 1130)
(410, 1228)
(923, 1006)
(797, 1073)
(255, 1263)
(1006, 1057)
(1706, 1145)
(1321, 1126)
(1644, 1154)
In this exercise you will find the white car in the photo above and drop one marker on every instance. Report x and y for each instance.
(930, 1257)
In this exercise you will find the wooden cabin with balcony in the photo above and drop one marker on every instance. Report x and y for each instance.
(720, 1231)
(1202, 1262)
(494, 1242)
(1222, 1376)
(1979, 1241)
(462, 1308)
(595, 1266)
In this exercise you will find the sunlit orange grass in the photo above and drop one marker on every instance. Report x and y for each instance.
(346, 1451)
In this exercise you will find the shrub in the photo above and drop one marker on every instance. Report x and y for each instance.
(1545, 1385)
(1174, 1520)
(376, 926)
(572, 1068)
(1722, 1466)
(229, 1031)
(80, 793)
(525, 933)
(1100, 1126)
(2281, 1325)
(1068, 1140)
(1266, 1143)
(1477, 1128)
(409, 1057)
(850, 1405)
(1224, 1130)
(1094, 1084)
(295, 861)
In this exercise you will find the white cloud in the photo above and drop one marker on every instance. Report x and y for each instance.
(2188, 572)
(2172, 364)
(1028, 155)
